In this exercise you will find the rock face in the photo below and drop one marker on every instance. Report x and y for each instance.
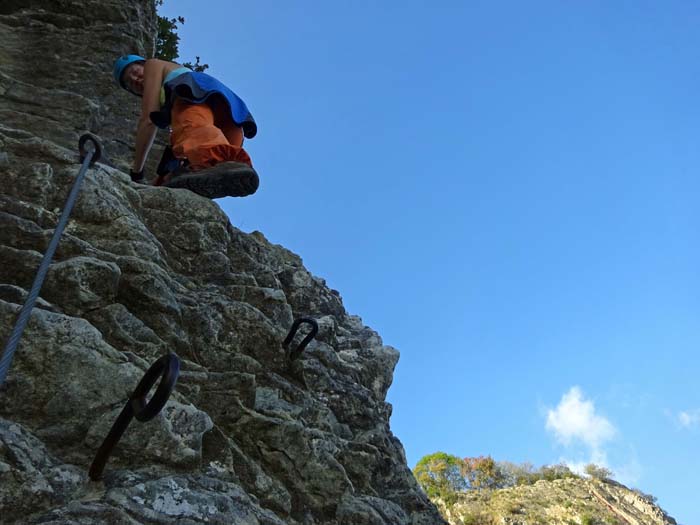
(248, 437)
(558, 502)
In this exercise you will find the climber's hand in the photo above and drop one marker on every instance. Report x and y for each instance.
(137, 176)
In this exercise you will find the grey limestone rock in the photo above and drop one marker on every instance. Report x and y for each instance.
(30, 477)
(247, 437)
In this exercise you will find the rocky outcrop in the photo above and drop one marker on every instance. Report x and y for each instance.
(248, 436)
(629, 506)
(558, 502)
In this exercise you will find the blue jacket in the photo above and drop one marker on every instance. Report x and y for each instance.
(197, 88)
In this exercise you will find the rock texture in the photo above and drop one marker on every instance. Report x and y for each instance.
(247, 437)
(558, 502)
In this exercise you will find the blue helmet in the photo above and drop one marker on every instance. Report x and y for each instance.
(121, 64)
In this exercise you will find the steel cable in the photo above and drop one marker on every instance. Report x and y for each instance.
(88, 158)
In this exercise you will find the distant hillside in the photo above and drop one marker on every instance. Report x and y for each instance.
(573, 501)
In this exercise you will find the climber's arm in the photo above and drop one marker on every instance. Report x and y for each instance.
(146, 130)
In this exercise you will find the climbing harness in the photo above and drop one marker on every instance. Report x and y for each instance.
(293, 354)
(168, 368)
(88, 158)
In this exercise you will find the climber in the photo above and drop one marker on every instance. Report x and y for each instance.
(207, 124)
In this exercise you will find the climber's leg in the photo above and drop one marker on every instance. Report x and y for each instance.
(197, 137)
(216, 167)
(232, 131)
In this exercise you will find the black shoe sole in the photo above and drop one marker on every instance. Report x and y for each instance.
(223, 180)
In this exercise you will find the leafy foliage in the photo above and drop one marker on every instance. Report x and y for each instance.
(444, 476)
(440, 476)
(514, 474)
(560, 471)
(167, 41)
(482, 473)
(598, 472)
(196, 66)
(649, 498)
(526, 474)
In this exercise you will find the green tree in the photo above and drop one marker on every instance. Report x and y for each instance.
(598, 472)
(514, 474)
(560, 471)
(483, 473)
(440, 476)
(167, 41)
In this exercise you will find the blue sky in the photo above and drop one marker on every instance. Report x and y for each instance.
(508, 193)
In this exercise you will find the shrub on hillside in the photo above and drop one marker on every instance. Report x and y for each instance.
(646, 497)
(560, 471)
(525, 474)
(598, 472)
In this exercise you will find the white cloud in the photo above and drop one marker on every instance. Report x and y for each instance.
(585, 433)
(689, 418)
(575, 419)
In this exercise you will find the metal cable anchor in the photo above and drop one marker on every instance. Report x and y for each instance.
(168, 368)
(88, 158)
(293, 354)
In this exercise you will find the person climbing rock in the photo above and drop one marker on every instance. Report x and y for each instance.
(207, 122)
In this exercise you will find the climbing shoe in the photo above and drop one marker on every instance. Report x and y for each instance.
(227, 179)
